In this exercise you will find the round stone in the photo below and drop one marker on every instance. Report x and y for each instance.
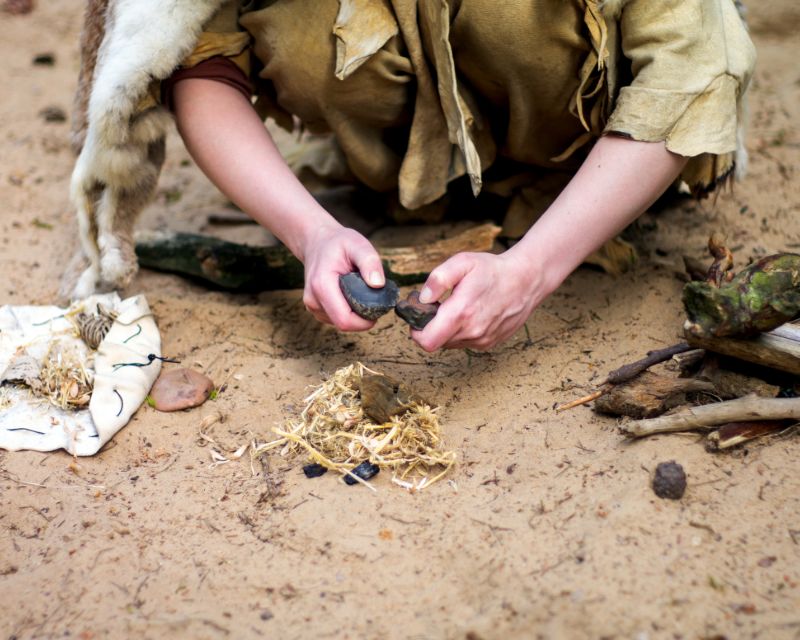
(178, 389)
(669, 480)
(416, 313)
(366, 301)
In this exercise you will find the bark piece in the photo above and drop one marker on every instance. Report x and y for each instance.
(245, 268)
(759, 298)
(179, 389)
(416, 313)
(734, 433)
(648, 395)
(368, 302)
(669, 480)
(747, 409)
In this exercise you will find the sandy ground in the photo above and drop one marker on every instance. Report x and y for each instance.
(550, 528)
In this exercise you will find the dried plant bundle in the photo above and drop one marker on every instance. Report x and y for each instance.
(63, 380)
(334, 431)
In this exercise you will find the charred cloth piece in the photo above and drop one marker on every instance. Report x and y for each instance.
(314, 470)
(367, 302)
(669, 480)
(365, 471)
(416, 313)
(383, 397)
(759, 298)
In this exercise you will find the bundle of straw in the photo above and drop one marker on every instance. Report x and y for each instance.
(334, 431)
(63, 380)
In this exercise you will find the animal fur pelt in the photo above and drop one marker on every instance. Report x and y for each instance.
(125, 45)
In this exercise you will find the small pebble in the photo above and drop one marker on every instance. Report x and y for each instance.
(44, 59)
(365, 471)
(180, 389)
(416, 313)
(53, 114)
(669, 480)
(367, 302)
(314, 470)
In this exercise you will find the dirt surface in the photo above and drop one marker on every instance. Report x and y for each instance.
(549, 528)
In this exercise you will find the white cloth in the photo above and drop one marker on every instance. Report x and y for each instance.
(29, 422)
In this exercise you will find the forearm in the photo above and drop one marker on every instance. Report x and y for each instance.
(619, 179)
(230, 144)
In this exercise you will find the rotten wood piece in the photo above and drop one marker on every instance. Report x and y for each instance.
(776, 349)
(747, 409)
(625, 373)
(735, 433)
(241, 267)
(648, 395)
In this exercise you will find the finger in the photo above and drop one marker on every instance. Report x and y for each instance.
(333, 303)
(313, 307)
(368, 263)
(445, 277)
(444, 327)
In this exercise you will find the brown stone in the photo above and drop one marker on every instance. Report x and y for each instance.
(178, 389)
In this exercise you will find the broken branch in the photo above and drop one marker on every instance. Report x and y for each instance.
(747, 409)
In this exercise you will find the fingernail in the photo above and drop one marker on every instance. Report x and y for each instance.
(426, 295)
(375, 279)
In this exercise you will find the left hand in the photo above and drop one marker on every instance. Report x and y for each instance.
(492, 297)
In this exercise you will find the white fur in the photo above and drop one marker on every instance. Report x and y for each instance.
(116, 172)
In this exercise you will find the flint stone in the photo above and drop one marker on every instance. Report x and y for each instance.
(180, 389)
(416, 313)
(367, 302)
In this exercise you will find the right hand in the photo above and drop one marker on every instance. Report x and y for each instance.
(334, 250)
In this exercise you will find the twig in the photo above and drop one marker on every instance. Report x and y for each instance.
(493, 527)
(584, 400)
(625, 373)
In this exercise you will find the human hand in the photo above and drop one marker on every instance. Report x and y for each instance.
(492, 296)
(334, 250)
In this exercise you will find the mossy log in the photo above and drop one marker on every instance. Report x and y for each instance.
(759, 298)
(239, 267)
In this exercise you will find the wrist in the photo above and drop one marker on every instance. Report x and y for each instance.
(314, 232)
(533, 270)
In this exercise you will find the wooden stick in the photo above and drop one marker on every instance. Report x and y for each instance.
(587, 398)
(749, 408)
(247, 268)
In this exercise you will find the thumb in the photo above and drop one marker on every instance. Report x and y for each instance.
(443, 278)
(369, 265)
